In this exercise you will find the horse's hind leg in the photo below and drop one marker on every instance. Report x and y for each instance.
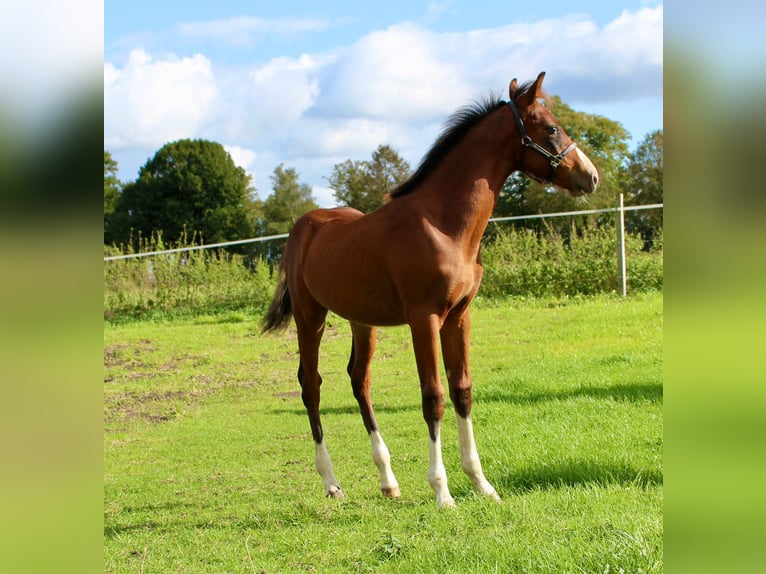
(310, 325)
(362, 349)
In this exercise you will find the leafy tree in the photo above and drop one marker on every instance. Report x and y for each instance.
(112, 189)
(603, 140)
(364, 184)
(188, 186)
(643, 186)
(288, 201)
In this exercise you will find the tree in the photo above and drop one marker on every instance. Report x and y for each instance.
(288, 201)
(643, 186)
(188, 186)
(603, 140)
(363, 184)
(112, 189)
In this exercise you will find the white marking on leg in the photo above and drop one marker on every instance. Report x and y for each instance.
(324, 467)
(437, 475)
(382, 458)
(469, 458)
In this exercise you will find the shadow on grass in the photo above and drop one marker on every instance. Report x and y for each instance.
(544, 476)
(634, 392)
(348, 409)
(637, 392)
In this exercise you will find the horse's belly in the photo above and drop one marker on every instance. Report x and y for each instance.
(358, 291)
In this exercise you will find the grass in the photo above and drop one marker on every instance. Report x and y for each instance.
(208, 459)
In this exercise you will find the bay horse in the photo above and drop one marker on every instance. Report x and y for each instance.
(416, 261)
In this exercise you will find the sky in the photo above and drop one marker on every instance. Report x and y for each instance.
(312, 84)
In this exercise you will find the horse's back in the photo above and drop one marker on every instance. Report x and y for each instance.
(339, 257)
(322, 216)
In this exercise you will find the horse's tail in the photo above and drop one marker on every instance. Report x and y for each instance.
(281, 309)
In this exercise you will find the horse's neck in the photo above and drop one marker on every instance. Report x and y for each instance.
(466, 185)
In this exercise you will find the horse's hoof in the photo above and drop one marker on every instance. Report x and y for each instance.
(334, 492)
(391, 492)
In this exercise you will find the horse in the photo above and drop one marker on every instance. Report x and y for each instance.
(416, 261)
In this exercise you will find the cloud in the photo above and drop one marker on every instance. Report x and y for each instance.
(264, 101)
(436, 10)
(245, 29)
(623, 61)
(407, 73)
(242, 157)
(150, 101)
(400, 73)
(392, 86)
(324, 196)
(318, 137)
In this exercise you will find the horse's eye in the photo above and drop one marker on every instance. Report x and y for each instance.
(553, 130)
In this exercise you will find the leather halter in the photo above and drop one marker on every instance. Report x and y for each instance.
(526, 142)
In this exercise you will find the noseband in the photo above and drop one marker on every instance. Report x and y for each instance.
(526, 142)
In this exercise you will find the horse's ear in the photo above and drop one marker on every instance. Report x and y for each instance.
(539, 85)
(534, 93)
(512, 88)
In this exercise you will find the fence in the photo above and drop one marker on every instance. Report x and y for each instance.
(620, 229)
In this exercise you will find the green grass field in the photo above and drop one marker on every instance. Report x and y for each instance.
(208, 458)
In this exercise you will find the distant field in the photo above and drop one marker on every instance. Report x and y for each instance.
(208, 458)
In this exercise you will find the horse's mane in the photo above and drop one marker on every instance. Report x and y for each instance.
(455, 129)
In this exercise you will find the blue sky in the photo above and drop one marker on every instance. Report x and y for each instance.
(310, 84)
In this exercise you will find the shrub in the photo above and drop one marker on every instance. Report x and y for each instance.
(531, 264)
(520, 263)
(190, 282)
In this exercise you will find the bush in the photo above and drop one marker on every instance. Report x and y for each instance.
(521, 263)
(532, 264)
(191, 282)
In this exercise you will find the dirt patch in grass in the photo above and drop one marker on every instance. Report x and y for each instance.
(150, 406)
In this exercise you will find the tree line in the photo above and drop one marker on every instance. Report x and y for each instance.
(191, 188)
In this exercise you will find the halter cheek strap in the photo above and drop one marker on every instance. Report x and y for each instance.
(526, 142)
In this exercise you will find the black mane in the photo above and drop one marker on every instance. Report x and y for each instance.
(457, 126)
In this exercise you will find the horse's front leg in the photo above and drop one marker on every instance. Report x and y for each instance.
(454, 336)
(425, 333)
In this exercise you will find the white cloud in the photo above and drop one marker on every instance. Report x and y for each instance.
(242, 157)
(393, 86)
(398, 74)
(324, 196)
(266, 100)
(150, 102)
(320, 137)
(245, 29)
(437, 9)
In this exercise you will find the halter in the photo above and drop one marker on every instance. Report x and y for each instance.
(526, 142)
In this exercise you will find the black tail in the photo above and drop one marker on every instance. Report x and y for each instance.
(281, 310)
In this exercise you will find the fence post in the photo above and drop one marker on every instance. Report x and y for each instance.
(621, 266)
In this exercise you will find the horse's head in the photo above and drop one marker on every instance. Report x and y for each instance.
(546, 152)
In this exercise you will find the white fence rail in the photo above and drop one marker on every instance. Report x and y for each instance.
(620, 208)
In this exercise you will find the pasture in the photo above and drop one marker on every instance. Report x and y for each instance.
(209, 462)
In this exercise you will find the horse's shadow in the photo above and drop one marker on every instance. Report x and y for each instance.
(632, 392)
(542, 475)
(572, 473)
